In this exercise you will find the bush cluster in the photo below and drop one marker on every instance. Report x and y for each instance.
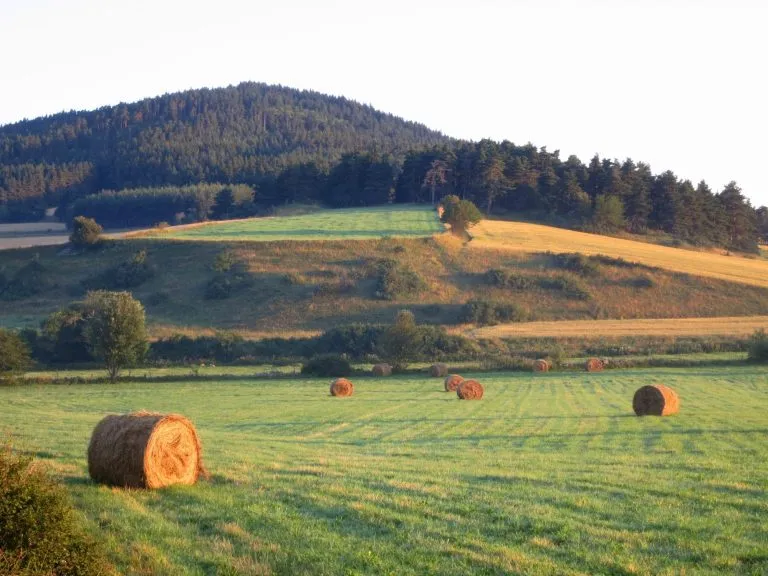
(330, 366)
(129, 274)
(571, 286)
(506, 279)
(232, 277)
(758, 347)
(39, 531)
(30, 280)
(396, 280)
(488, 312)
(578, 263)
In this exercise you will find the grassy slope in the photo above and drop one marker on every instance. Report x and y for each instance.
(352, 223)
(546, 475)
(309, 286)
(525, 237)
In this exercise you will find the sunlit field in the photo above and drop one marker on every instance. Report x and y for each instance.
(547, 474)
(721, 326)
(525, 237)
(352, 223)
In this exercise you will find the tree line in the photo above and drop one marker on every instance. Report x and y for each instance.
(161, 158)
(238, 134)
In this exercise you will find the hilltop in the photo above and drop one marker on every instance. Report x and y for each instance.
(242, 133)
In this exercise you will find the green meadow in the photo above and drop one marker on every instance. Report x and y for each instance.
(342, 224)
(547, 474)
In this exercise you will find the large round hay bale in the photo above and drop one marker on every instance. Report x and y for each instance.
(594, 365)
(452, 382)
(341, 387)
(470, 390)
(145, 450)
(382, 370)
(541, 365)
(655, 400)
(438, 370)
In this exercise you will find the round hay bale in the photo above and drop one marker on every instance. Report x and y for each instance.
(145, 450)
(438, 370)
(470, 390)
(541, 365)
(594, 365)
(382, 370)
(341, 387)
(452, 382)
(655, 400)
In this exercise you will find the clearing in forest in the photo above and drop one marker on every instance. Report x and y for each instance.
(339, 224)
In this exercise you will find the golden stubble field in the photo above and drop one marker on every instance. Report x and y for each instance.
(675, 327)
(525, 237)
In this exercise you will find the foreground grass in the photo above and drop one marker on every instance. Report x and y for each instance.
(546, 475)
(674, 327)
(525, 237)
(351, 223)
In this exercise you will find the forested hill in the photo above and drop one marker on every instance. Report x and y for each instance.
(233, 134)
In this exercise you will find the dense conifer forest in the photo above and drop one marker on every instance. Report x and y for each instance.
(236, 151)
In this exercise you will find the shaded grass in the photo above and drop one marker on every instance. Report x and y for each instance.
(549, 474)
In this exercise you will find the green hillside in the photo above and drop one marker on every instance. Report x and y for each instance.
(292, 287)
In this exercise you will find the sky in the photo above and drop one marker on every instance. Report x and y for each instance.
(679, 84)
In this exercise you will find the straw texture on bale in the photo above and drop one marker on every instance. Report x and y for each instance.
(594, 365)
(452, 382)
(439, 370)
(541, 365)
(341, 387)
(382, 370)
(470, 390)
(656, 400)
(145, 450)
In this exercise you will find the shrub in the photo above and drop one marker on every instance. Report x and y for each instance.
(758, 347)
(233, 276)
(641, 282)
(327, 366)
(397, 280)
(487, 312)
(578, 263)
(129, 274)
(401, 342)
(30, 280)
(506, 279)
(85, 232)
(14, 354)
(39, 531)
(460, 214)
(608, 215)
(572, 286)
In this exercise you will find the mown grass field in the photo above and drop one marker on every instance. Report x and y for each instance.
(526, 237)
(342, 224)
(727, 326)
(550, 474)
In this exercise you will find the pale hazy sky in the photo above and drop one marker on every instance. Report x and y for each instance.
(680, 84)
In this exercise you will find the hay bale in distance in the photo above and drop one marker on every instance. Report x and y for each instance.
(145, 450)
(541, 365)
(594, 365)
(438, 370)
(382, 370)
(655, 400)
(452, 382)
(470, 390)
(342, 387)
